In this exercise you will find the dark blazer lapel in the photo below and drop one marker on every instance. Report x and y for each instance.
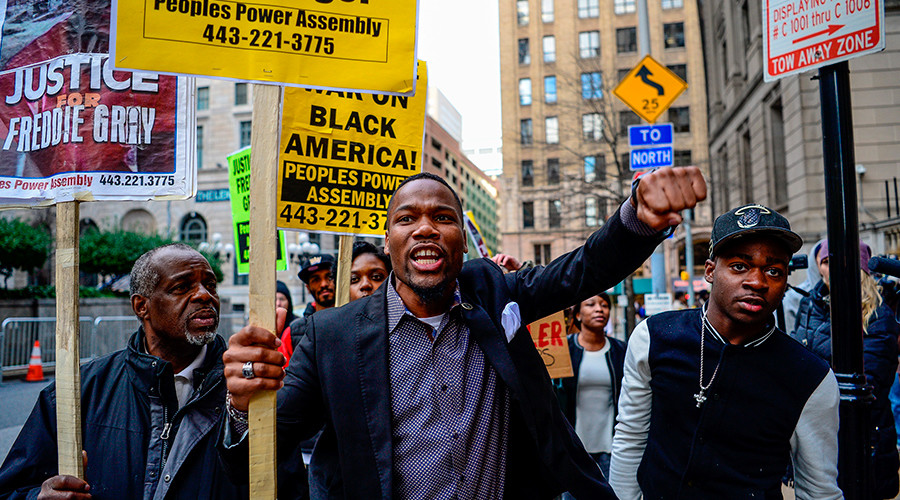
(493, 344)
(370, 328)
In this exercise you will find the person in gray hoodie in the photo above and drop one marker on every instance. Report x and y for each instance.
(791, 301)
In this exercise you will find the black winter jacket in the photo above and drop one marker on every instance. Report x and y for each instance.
(615, 361)
(813, 330)
(127, 399)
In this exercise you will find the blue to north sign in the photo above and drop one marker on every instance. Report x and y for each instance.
(649, 135)
(652, 157)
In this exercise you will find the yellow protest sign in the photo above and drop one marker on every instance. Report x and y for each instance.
(343, 154)
(315, 43)
(549, 336)
(649, 89)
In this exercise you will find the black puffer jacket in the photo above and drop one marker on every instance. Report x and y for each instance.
(813, 329)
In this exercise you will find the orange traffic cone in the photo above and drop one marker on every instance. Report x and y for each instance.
(35, 369)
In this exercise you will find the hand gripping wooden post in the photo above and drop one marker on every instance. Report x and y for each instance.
(68, 371)
(264, 142)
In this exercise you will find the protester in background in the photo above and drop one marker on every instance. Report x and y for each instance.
(152, 412)
(369, 269)
(591, 397)
(880, 331)
(795, 294)
(318, 275)
(283, 300)
(728, 424)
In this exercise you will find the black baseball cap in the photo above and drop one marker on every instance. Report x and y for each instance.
(315, 263)
(752, 220)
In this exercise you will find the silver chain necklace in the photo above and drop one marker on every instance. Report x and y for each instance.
(701, 396)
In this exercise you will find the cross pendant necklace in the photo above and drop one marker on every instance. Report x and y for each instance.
(700, 397)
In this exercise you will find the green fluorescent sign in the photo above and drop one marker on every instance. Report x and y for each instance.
(239, 188)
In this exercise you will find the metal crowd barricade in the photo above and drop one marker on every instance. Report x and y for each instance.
(17, 336)
(99, 336)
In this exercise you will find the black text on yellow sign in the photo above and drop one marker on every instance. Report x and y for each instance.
(339, 44)
(649, 89)
(343, 154)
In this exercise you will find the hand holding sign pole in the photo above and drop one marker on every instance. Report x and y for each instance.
(263, 140)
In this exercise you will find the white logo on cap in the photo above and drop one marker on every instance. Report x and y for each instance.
(315, 260)
(749, 215)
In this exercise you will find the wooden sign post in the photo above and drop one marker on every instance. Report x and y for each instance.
(263, 167)
(345, 261)
(68, 370)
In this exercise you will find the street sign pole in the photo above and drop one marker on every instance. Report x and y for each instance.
(843, 248)
(658, 259)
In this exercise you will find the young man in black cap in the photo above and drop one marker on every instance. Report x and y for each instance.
(318, 274)
(716, 402)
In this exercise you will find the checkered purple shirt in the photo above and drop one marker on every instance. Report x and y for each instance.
(449, 412)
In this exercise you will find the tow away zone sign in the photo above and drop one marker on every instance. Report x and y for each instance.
(801, 35)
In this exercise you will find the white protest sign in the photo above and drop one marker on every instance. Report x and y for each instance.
(800, 35)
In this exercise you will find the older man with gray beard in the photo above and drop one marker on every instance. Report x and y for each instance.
(152, 411)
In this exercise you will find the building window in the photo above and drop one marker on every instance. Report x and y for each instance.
(551, 129)
(526, 132)
(547, 11)
(626, 119)
(681, 119)
(588, 8)
(246, 127)
(193, 228)
(202, 98)
(626, 40)
(590, 211)
(550, 89)
(592, 126)
(745, 24)
(554, 218)
(552, 170)
(779, 157)
(595, 168)
(680, 70)
(522, 12)
(721, 202)
(525, 91)
(673, 34)
(524, 51)
(622, 73)
(682, 158)
(542, 254)
(623, 6)
(624, 161)
(437, 163)
(199, 146)
(589, 44)
(527, 214)
(240, 94)
(549, 42)
(746, 166)
(672, 4)
(590, 168)
(592, 85)
(527, 173)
